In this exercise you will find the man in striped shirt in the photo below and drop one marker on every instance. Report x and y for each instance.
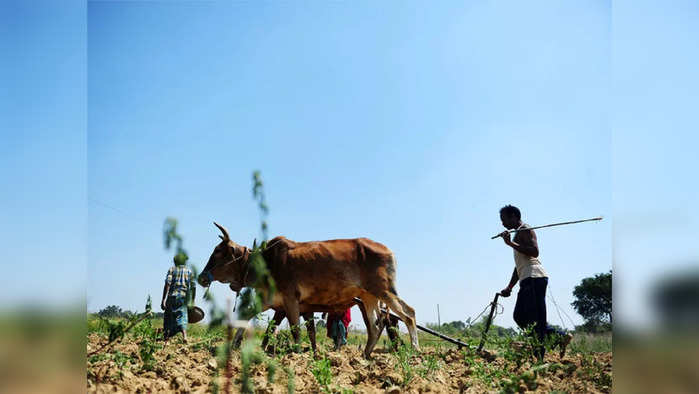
(179, 284)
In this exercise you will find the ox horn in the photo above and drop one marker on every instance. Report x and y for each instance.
(223, 230)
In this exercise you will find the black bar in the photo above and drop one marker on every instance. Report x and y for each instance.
(493, 305)
(425, 329)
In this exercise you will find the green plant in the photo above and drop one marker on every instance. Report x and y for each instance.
(271, 370)
(144, 329)
(405, 354)
(283, 343)
(593, 371)
(147, 349)
(488, 373)
(584, 343)
(291, 380)
(430, 363)
(264, 287)
(322, 372)
(116, 330)
(249, 356)
(258, 193)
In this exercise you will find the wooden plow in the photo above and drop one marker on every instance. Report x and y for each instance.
(425, 329)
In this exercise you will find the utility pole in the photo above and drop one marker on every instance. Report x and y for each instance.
(439, 320)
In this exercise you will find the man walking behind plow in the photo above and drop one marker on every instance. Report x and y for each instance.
(179, 282)
(530, 307)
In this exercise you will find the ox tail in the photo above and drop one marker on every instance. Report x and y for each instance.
(392, 275)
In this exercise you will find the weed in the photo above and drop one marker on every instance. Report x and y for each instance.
(250, 355)
(405, 353)
(584, 343)
(271, 370)
(291, 380)
(430, 364)
(323, 374)
(593, 371)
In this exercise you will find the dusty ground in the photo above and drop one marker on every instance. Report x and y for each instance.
(180, 368)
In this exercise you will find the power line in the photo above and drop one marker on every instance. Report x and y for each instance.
(559, 310)
(125, 214)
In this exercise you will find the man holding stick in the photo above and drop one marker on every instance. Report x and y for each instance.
(530, 308)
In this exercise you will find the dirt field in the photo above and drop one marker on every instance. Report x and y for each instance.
(194, 368)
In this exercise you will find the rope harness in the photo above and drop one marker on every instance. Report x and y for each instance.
(246, 253)
(499, 311)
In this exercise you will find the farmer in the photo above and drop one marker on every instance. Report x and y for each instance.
(530, 308)
(337, 325)
(179, 284)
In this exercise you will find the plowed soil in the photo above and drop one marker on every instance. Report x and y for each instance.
(180, 368)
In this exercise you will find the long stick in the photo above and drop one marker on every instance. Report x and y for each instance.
(493, 305)
(550, 225)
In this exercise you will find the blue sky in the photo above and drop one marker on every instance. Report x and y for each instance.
(405, 124)
(654, 150)
(43, 152)
(408, 124)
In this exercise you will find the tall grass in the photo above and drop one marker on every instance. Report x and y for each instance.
(584, 343)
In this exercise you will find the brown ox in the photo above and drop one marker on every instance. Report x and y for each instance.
(317, 273)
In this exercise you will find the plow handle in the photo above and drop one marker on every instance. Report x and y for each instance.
(493, 305)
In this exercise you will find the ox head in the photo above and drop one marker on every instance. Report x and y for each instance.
(227, 264)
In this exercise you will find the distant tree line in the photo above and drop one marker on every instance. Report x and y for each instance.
(113, 311)
(460, 329)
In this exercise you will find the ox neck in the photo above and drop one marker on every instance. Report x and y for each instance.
(245, 262)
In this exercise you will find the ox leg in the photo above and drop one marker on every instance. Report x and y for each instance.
(272, 327)
(371, 304)
(364, 315)
(291, 306)
(406, 313)
(311, 329)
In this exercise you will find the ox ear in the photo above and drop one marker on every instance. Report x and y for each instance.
(225, 237)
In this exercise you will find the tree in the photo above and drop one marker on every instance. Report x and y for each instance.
(110, 311)
(456, 325)
(593, 299)
(113, 311)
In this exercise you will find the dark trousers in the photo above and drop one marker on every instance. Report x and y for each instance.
(531, 308)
